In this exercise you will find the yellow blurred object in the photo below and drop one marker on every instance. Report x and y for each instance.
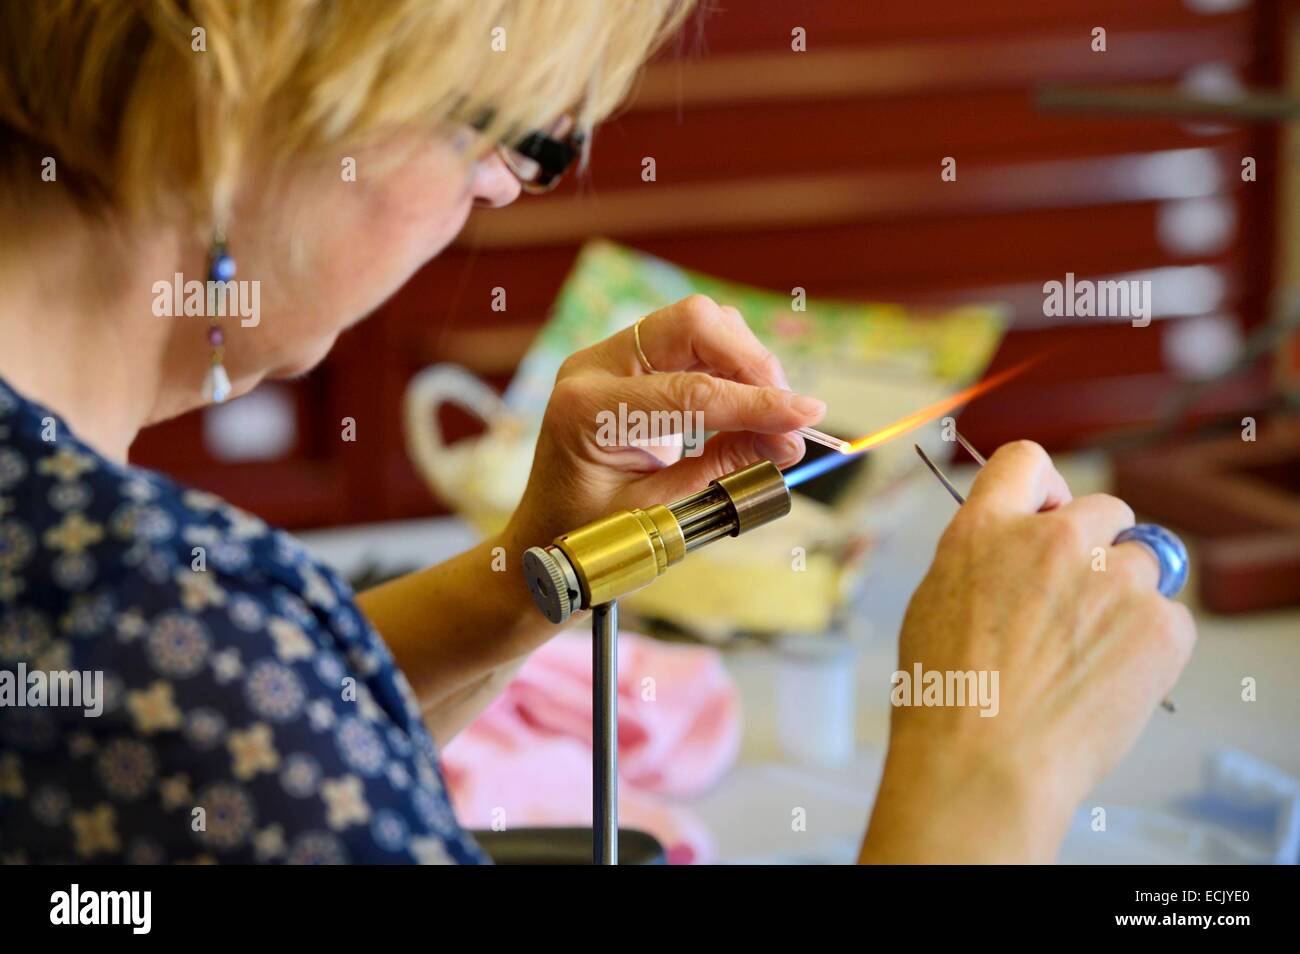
(783, 577)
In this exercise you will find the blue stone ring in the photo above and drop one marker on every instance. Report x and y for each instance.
(1168, 551)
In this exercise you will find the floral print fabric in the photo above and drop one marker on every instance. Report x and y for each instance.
(250, 713)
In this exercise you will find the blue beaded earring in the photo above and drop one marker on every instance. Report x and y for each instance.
(221, 268)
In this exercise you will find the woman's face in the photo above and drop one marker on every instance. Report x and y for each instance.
(341, 237)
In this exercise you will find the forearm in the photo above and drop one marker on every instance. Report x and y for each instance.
(459, 707)
(452, 626)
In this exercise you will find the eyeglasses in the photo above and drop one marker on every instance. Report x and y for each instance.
(540, 159)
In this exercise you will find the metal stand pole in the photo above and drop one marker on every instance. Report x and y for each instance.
(604, 738)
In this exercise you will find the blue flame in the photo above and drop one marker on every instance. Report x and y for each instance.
(815, 468)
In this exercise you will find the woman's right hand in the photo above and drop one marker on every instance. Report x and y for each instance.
(1083, 656)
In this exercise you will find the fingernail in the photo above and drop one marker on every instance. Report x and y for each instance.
(810, 406)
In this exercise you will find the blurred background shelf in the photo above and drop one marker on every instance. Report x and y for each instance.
(821, 170)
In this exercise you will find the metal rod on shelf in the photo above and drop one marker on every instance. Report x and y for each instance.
(1255, 106)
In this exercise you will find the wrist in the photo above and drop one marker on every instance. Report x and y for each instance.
(502, 554)
(945, 804)
(527, 627)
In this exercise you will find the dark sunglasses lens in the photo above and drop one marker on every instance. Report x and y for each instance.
(551, 157)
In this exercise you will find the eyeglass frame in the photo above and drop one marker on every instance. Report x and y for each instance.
(554, 157)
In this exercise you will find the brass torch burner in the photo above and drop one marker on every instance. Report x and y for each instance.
(625, 551)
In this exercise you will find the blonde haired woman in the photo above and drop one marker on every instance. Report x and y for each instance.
(206, 137)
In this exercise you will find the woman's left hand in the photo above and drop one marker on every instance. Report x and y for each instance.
(460, 629)
(711, 370)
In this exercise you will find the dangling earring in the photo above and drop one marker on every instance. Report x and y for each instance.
(221, 268)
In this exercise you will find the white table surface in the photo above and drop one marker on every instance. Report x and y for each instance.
(750, 812)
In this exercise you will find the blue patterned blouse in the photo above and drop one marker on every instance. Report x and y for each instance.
(246, 710)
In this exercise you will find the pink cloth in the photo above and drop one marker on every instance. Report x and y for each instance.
(526, 760)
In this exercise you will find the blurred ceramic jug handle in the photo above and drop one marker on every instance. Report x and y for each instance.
(425, 394)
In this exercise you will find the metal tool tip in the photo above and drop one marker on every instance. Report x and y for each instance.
(976, 455)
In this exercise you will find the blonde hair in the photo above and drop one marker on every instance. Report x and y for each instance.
(157, 105)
